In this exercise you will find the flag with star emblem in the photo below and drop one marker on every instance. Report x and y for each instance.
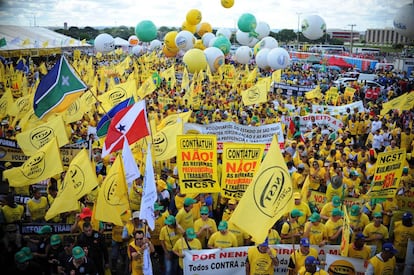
(130, 123)
(57, 90)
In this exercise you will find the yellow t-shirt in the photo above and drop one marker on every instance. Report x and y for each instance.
(181, 245)
(185, 219)
(219, 240)
(169, 236)
(297, 258)
(241, 236)
(383, 268)
(11, 214)
(260, 263)
(371, 231)
(204, 235)
(38, 209)
(333, 227)
(401, 235)
(364, 253)
(317, 233)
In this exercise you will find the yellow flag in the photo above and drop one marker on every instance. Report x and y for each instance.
(332, 95)
(21, 106)
(6, 103)
(32, 140)
(42, 68)
(305, 189)
(252, 75)
(146, 88)
(349, 93)
(112, 199)
(26, 42)
(268, 197)
(174, 119)
(165, 142)
(169, 74)
(315, 93)
(257, 93)
(75, 111)
(117, 94)
(45, 44)
(277, 76)
(185, 81)
(346, 232)
(45, 163)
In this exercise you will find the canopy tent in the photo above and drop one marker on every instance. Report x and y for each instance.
(34, 41)
(313, 59)
(333, 61)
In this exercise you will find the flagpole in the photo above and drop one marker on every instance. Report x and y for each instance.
(97, 100)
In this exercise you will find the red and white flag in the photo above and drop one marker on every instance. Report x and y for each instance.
(131, 123)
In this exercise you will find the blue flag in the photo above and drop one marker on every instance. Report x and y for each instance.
(58, 89)
(21, 66)
(103, 124)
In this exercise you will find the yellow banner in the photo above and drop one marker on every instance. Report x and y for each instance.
(112, 199)
(315, 93)
(268, 197)
(165, 141)
(332, 95)
(174, 119)
(240, 163)
(197, 163)
(388, 170)
(227, 71)
(256, 94)
(32, 140)
(146, 88)
(45, 163)
(403, 102)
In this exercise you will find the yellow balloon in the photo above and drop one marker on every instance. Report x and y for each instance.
(169, 40)
(169, 52)
(204, 28)
(199, 45)
(193, 16)
(256, 48)
(188, 27)
(227, 3)
(195, 59)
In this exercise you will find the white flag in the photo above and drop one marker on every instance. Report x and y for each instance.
(147, 266)
(130, 165)
(149, 193)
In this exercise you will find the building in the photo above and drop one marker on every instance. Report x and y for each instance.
(384, 37)
(344, 35)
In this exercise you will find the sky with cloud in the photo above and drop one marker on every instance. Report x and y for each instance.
(338, 14)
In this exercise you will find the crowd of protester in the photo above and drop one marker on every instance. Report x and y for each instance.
(339, 163)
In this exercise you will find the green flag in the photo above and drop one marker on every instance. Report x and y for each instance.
(3, 42)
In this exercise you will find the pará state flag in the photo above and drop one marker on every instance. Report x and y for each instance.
(103, 124)
(58, 89)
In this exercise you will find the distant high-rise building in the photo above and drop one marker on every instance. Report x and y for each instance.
(65, 25)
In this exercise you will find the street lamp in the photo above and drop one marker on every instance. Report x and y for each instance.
(352, 36)
(298, 14)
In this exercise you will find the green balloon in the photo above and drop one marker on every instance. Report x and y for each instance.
(223, 44)
(247, 22)
(146, 31)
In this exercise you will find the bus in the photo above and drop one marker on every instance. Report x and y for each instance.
(364, 50)
(333, 49)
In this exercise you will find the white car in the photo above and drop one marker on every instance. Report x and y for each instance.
(349, 80)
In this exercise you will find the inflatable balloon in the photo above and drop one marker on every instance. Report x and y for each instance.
(261, 58)
(215, 58)
(278, 58)
(195, 60)
(185, 40)
(243, 55)
(247, 22)
(168, 52)
(211, 42)
(169, 40)
(188, 27)
(262, 29)
(404, 21)
(224, 32)
(206, 38)
(256, 48)
(146, 31)
(193, 16)
(133, 40)
(137, 50)
(313, 27)
(155, 45)
(223, 44)
(244, 38)
(199, 45)
(227, 3)
(268, 42)
(104, 43)
(204, 28)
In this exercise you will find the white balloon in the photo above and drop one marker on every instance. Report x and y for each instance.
(206, 38)
(263, 29)
(185, 40)
(243, 55)
(104, 43)
(278, 58)
(224, 31)
(215, 58)
(261, 58)
(244, 38)
(137, 50)
(211, 42)
(313, 27)
(253, 42)
(133, 40)
(268, 42)
(404, 21)
(155, 45)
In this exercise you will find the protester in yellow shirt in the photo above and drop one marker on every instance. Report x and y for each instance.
(261, 259)
(403, 231)
(326, 210)
(185, 216)
(222, 238)
(315, 230)
(376, 232)
(297, 258)
(311, 267)
(358, 249)
(204, 226)
(383, 263)
(169, 234)
(357, 220)
(334, 226)
(291, 229)
(187, 242)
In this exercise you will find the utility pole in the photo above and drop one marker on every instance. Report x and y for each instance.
(352, 36)
(298, 14)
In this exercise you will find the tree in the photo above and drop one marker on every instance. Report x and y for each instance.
(286, 35)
